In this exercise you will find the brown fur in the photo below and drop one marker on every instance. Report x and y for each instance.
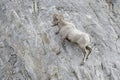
(68, 31)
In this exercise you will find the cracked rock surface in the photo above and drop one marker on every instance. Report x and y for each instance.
(29, 46)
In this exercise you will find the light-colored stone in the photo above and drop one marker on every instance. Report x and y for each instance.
(28, 44)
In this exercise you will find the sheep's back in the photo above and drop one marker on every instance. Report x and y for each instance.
(78, 37)
(64, 31)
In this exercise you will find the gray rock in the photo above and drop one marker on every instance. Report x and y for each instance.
(29, 46)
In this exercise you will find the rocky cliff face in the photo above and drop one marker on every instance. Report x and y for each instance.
(28, 44)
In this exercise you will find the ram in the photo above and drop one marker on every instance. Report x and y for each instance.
(69, 32)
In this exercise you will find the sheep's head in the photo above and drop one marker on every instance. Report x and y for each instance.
(57, 18)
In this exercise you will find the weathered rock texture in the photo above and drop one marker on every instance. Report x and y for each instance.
(28, 44)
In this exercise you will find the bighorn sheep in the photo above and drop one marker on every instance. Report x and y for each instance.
(69, 32)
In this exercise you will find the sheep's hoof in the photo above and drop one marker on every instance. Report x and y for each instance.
(82, 63)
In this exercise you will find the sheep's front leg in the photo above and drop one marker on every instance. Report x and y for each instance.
(60, 49)
(63, 41)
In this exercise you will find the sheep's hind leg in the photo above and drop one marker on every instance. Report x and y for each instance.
(89, 49)
(85, 55)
